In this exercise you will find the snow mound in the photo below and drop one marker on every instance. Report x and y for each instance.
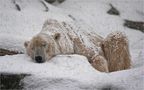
(70, 72)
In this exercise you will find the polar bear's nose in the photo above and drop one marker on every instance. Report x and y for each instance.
(38, 59)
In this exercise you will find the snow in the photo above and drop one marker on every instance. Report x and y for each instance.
(23, 24)
(71, 72)
(134, 9)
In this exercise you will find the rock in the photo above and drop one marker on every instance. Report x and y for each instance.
(11, 81)
(135, 25)
(60, 1)
(50, 1)
(8, 52)
(113, 11)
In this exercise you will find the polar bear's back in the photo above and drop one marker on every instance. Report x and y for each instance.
(69, 31)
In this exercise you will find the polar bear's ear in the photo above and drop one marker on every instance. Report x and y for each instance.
(26, 43)
(57, 36)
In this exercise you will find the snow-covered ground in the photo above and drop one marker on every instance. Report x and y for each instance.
(71, 72)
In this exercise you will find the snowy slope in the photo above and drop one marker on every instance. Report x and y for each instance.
(70, 72)
(19, 26)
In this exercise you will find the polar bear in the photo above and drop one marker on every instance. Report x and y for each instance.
(57, 37)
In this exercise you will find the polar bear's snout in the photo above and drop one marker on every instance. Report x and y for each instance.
(39, 54)
(39, 59)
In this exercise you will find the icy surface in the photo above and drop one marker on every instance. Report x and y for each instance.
(71, 72)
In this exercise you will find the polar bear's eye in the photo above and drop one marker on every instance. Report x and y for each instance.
(32, 48)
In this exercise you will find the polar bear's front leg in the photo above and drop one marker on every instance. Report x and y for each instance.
(99, 63)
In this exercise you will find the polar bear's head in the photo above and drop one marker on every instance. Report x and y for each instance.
(42, 47)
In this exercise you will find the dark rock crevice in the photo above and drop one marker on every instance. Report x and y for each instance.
(138, 25)
(113, 10)
(12, 81)
(52, 1)
(17, 5)
(4, 52)
(46, 7)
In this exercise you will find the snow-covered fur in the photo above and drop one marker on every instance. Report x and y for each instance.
(62, 38)
(116, 51)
